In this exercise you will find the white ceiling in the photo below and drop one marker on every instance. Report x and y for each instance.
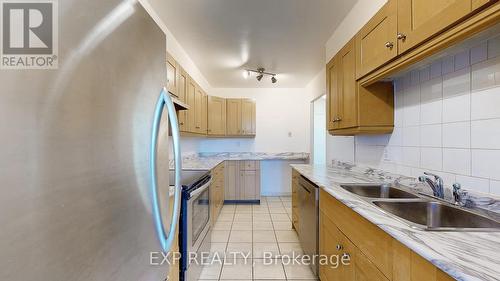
(223, 37)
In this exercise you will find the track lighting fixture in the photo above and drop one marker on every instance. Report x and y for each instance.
(260, 74)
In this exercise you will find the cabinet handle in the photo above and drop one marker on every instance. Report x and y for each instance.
(401, 36)
(389, 45)
(338, 119)
(339, 247)
(197, 127)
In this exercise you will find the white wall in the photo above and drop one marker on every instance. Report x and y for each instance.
(318, 152)
(279, 111)
(447, 120)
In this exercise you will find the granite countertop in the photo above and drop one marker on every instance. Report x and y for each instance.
(462, 255)
(208, 161)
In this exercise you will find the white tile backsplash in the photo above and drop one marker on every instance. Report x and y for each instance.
(485, 134)
(447, 121)
(456, 135)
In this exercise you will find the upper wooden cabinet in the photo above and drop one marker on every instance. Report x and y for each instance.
(376, 42)
(191, 100)
(352, 108)
(402, 25)
(420, 19)
(216, 116)
(182, 93)
(233, 120)
(200, 111)
(240, 120)
(247, 117)
(172, 74)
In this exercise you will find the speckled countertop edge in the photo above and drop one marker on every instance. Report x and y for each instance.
(462, 255)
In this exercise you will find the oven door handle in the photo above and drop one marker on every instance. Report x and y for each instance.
(166, 239)
(199, 190)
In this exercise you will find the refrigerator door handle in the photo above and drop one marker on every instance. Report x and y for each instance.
(166, 239)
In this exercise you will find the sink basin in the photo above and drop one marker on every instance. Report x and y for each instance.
(431, 215)
(378, 191)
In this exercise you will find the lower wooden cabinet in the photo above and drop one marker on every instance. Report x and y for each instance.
(242, 181)
(295, 199)
(217, 191)
(373, 254)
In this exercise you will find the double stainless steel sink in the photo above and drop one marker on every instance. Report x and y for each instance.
(420, 212)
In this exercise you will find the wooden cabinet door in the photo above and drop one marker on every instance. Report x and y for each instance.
(232, 180)
(347, 94)
(333, 243)
(248, 185)
(182, 91)
(198, 110)
(204, 112)
(233, 116)
(216, 116)
(376, 41)
(332, 90)
(420, 19)
(172, 74)
(190, 100)
(247, 117)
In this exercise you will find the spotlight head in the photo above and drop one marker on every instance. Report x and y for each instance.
(246, 74)
(273, 79)
(259, 77)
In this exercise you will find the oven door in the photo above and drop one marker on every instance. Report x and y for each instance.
(198, 216)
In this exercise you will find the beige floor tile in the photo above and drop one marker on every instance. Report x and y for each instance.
(261, 217)
(243, 225)
(280, 217)
(220, 236)
(243, 209)
(238, 271)
(276, 204)
(298, 271)
(243, 217)
(273, 199)
(225, 217)
(286, 198)
(262, 225)
(239, 250)
(223, 225)
(238, 236)
(282, 225)
(263, 236)
(261, 270)
(287, 236)
(269, 248)
(277, 210)
(211, 271)
(219, 248)
(290, 249)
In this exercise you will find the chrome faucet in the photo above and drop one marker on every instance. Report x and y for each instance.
(459, 196)
(436, 184)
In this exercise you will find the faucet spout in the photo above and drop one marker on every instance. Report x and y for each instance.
(435, 183)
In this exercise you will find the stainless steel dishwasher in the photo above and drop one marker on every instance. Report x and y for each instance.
(308, 220)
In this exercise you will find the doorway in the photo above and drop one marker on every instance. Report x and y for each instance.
(319, 130)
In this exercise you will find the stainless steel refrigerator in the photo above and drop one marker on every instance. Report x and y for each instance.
(78, 200)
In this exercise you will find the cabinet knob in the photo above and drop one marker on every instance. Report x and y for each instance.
(338, 119)
(346, 256)
(182, 123)
(197, 127)
(389, 45)
(339, 247)
(401, 36)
